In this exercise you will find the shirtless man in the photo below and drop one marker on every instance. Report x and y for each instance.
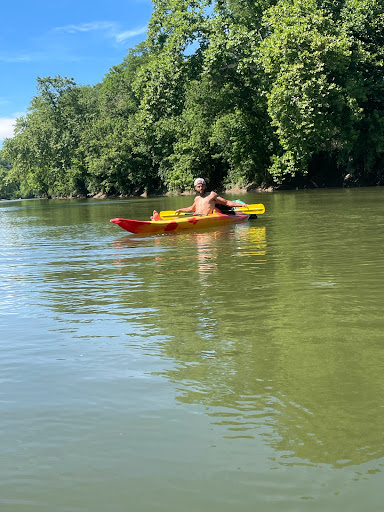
(204, 203)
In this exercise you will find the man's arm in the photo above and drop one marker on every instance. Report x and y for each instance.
(188, 209)
(227, 202)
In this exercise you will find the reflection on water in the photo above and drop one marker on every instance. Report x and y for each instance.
(267, 351)
(255, 245)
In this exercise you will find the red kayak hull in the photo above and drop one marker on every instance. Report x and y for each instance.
(179, 224)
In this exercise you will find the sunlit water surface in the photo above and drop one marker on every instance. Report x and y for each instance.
(232, 369)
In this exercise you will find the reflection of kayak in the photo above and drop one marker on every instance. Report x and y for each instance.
(180, 223)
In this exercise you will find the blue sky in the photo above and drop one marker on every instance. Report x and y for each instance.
(79, 39)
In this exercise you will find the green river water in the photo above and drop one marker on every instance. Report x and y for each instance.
(238, 369)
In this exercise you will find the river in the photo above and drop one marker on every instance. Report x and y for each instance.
(231, 369)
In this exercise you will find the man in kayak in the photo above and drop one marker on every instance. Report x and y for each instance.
(205, 202)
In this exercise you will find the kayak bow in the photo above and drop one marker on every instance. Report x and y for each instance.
(179, 224)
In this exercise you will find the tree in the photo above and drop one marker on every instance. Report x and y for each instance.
(325, 98)
(43, 150)
(363, 155)
(305, 56)
(8, 188)
(242, 92)
(116, 157)
(202, 110)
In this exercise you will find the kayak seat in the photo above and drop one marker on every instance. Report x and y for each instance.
(228, 210)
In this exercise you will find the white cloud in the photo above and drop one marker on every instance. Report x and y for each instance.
(103, 29)
(16, 59)
(6, 127)
(123, 36)
(103, 26)
(110, 30)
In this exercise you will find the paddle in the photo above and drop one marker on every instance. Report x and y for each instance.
(252, 209)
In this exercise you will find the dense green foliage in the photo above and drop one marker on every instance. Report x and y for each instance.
(242, 92)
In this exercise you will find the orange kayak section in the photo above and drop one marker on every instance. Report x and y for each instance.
(179, 224)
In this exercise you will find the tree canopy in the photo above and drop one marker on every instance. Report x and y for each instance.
(249, 93)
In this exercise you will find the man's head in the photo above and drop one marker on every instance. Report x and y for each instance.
(200, 185)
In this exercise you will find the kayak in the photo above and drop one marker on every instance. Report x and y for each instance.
(179, 223)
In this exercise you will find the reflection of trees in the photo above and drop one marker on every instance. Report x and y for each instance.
(328, 401)
(262, 351)
(261, 334)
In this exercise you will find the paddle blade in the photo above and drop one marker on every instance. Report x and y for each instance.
(251, 209)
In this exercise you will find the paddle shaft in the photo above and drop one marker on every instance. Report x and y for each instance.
(252, 209)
